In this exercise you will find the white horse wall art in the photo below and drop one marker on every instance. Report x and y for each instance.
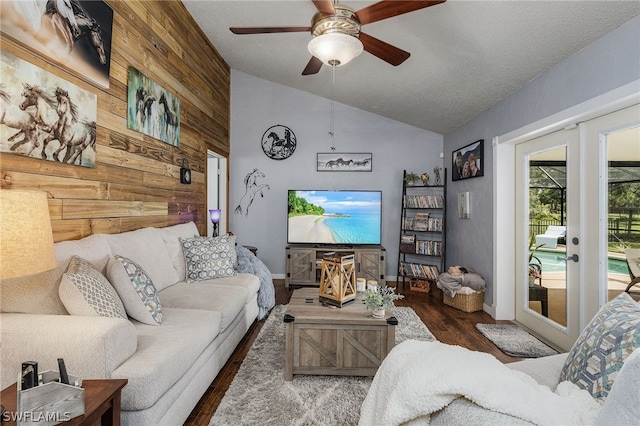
(44, 116)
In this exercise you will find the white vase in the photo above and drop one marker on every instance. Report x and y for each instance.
(378, 313)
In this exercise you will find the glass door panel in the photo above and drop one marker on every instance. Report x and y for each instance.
(547, 185)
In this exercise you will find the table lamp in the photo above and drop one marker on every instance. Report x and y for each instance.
(26, 240)
(215, 218)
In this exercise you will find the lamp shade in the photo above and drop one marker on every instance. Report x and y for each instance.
(215, 215)
(335, 49)
(26, 240)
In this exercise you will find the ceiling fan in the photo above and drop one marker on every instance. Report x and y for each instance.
(337, 35)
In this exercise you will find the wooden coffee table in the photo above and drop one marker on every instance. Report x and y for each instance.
(323, 340)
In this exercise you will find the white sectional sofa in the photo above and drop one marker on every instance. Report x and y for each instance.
(168, 366)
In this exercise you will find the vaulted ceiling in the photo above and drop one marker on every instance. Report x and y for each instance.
(466, 56)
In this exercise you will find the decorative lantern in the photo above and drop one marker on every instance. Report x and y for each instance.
(338, 279)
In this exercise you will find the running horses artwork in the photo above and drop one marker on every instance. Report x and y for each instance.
(43, 116)
(75, 34)
(344, 162)
(252, 187)
(278, 142)
(151, 109)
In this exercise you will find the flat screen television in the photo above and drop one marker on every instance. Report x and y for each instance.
(334, 217)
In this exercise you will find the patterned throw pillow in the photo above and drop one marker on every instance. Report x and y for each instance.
(208, 258)
(136, 290)
(85, 291)
(598, 354)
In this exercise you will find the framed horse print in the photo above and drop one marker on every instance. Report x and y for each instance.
(44, 116)
(151, 109)
(344, 162)
(74, 34)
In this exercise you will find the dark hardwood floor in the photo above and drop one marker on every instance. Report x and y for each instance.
(447, 324)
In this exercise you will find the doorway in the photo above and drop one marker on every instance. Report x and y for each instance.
(217, 190)
(583, 182)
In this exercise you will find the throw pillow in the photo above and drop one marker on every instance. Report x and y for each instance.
(85, 291)
(135, 288)
(603, 346)
(208, 258)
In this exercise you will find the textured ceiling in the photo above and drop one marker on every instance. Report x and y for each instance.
(465, 55)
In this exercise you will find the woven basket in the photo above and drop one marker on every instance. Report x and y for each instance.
(465, 302)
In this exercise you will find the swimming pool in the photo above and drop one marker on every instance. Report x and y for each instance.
(554, 261)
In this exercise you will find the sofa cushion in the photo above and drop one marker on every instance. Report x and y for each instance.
(85, 291)
(207, 295)
(147, 249)
(250, 282)
(93, 248)
(170, 236)
(208, 258)
(136, 290)
(599, 353)
(164, 354)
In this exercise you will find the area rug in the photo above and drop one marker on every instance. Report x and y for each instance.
(260, 395)
(515, 341)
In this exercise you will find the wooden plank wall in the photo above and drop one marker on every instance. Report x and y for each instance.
(136, 181)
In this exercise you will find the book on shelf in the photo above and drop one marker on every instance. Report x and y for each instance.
(431, 224)
(408, 238)
(419, 270)
(423, 201)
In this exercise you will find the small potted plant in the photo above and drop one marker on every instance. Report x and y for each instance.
(379, 297)
(411, 178)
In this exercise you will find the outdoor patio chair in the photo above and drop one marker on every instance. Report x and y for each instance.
(633, 263)
(551, 236)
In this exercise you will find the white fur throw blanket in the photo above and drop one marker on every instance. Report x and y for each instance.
(417, 379)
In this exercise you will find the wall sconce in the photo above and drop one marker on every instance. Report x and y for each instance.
(26, 240)
(185, 172)
(215, 218)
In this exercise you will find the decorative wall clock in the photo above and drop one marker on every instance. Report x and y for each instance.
(278, 142)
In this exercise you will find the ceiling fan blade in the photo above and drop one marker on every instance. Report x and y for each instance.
(388, 53)
(389, 8)
(313, 66)
(325, 6)
(268, 30)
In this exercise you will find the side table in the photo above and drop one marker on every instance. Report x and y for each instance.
(101, 401)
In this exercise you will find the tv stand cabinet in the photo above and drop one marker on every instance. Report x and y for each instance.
(304, 262)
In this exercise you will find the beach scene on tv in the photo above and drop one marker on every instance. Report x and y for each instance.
(334, 217)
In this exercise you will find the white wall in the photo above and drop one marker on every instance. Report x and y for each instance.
(604, 65)
(258, 104)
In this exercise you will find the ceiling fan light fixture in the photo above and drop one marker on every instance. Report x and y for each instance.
(335, 49)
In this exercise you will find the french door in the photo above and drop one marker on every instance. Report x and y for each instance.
(548, 188)
(564, 179)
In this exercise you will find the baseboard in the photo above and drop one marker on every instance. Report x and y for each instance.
(278, 276)
(489, 309)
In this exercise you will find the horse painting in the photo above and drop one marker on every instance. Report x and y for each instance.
(170, 122)
(73, 33)
(72, 23)
(45, 115)
(74, 135)
(12, 116)
(151, 109)
(251, 189)
(344, 162)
